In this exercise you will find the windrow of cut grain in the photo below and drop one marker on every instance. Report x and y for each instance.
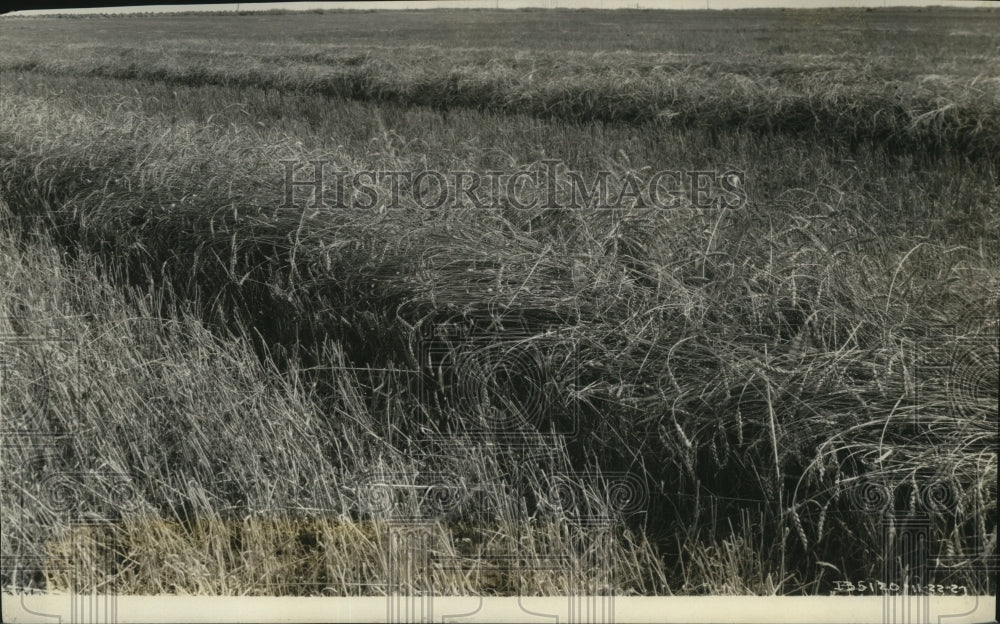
(850, 98)
(726, 372)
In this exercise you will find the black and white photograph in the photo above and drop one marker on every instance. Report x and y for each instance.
(500, 310)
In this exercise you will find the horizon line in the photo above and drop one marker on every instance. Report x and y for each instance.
(502, 5)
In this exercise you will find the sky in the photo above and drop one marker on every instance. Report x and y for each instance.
(516, 4)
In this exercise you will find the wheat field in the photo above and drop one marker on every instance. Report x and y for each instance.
(212, 386)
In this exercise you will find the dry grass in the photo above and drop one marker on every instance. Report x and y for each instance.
(847, 97)
(182, 463)
(788, 362)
